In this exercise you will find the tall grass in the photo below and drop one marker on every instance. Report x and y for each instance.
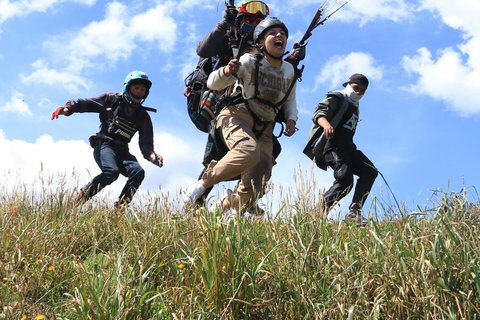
(159, 261)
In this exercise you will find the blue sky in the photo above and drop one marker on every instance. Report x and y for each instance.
(419, 117)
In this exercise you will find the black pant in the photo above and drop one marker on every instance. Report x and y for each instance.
(345, 165)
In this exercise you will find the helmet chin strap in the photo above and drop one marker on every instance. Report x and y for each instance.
(264, 50)
(134, 100)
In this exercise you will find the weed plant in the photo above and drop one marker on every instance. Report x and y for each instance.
(156, 260)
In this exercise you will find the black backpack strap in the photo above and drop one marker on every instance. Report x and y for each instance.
(149, 109)
(114, 108)
(339, 114)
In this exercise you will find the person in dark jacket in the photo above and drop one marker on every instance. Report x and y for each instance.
(334, 124)
(217, 43)
(121, 116)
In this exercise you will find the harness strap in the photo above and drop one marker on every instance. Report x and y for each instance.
(257, 121)
(276, 107)
(229, 100)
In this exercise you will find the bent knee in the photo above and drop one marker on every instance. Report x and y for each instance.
(252, 158)
(140, 175)
(371, 174)
(110, 175)
(250, 151)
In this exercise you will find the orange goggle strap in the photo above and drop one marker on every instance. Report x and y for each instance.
(254, 7)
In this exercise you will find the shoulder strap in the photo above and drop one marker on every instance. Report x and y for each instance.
(339, 114)
(275, 106)
(115, 107)
(258, 58)
(149, 109)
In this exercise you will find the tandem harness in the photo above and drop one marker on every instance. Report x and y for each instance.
(215, 148)
(239, 98)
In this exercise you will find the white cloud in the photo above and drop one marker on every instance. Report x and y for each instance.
(445, 79)
(112, 39)
(364, 10)
(189, 62)
(117, 36)
(17, 105)
(48, 159)
(43, 74)
(371, 10)
(452, 73)
(338, 68)
(10, 10)
(187, 5)
(463, 17)
(45, 103)
(155, 26)
(56, 156)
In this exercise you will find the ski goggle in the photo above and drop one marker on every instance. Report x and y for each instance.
(254, 7)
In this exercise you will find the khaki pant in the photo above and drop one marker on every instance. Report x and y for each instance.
(249, 157)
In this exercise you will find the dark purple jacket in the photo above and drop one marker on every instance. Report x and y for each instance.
(102, 105)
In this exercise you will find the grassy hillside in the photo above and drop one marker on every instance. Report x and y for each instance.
(58, 261)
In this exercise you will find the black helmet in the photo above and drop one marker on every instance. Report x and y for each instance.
(266, 24)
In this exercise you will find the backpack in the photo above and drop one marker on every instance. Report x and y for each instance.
(316, 144)
(200, 99)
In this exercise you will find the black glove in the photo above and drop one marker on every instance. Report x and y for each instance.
(229, 14)
(298, 51)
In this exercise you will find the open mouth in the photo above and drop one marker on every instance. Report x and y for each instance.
(279, 43)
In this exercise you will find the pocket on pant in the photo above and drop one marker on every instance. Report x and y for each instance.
(332, 159)
(342, 171)
(236, 134)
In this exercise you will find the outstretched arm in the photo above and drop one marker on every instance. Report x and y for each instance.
(65, 110)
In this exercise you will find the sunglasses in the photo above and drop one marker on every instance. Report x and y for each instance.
(254, 7)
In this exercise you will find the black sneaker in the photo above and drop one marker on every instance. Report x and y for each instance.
(356, 217)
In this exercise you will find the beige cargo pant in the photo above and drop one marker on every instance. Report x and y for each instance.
(248, 157)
